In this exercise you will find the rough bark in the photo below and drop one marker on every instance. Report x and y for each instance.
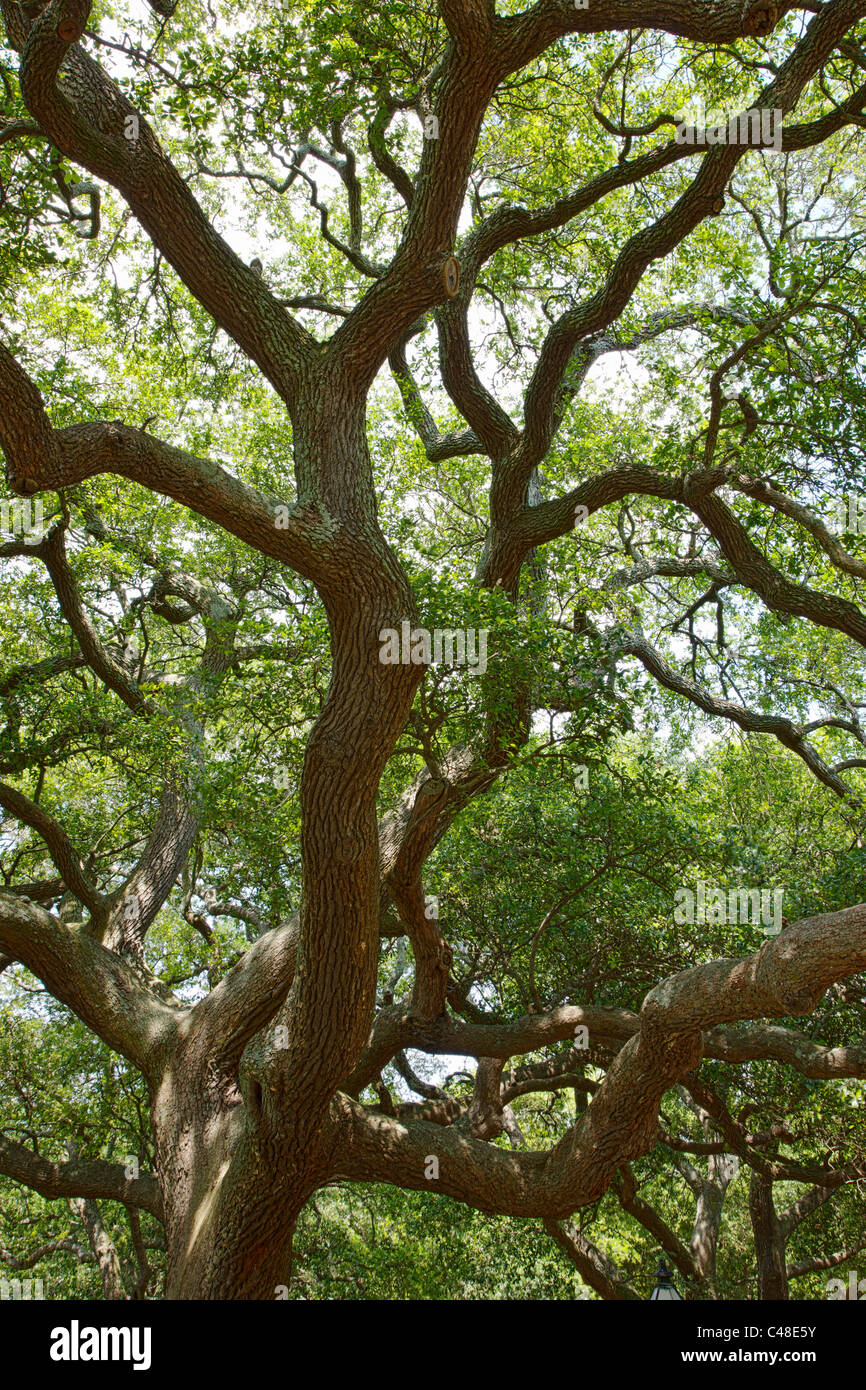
(769, 1240)
(254, 1091)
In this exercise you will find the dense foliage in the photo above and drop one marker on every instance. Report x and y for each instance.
(628, 449)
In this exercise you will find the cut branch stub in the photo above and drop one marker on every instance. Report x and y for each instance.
(23, 487)
(451, 276)
(762, 20)
(68, 31)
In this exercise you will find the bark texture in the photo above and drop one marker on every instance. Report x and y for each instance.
(255, 1090)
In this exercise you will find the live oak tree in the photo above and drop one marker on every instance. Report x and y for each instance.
(470, 213)
(354, 1241)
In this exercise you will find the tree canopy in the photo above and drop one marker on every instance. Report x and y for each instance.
(432, 681)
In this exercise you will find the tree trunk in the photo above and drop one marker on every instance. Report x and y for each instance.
(243, 1148)
(102, 1246)
(708, 1216)
(769, 1240)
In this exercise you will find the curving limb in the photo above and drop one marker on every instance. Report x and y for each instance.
(786, 977)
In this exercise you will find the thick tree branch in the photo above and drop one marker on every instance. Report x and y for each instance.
(79, 1178)
(787, 976)
(594, 1267)
(701, 199)
(789, 734)
(299, 536)
(123, 1004)
(60, 847)
(86, 116)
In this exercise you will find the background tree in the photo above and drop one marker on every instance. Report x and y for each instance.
(225, 816)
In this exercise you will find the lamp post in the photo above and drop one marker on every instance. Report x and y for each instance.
(665, 1287)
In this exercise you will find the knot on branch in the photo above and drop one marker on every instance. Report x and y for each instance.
(120, 437)
(761, 20)
(433, 787)
(19, 484)
(69, 31)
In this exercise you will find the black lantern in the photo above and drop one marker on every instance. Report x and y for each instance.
(665, 1287)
